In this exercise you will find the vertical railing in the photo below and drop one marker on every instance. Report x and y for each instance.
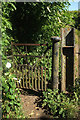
(32, 79)
(42, 77)
(45, 78)
(38, 78)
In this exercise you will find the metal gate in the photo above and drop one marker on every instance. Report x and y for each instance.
(32, 71)
(36, 71)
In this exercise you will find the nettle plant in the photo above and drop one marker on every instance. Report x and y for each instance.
(60, 104)
(11, 107)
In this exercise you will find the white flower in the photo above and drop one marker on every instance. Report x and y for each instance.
(6, 74)
(8, 65)
(19, 81)
(15, 78)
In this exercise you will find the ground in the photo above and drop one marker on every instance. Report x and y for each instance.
(32, 105)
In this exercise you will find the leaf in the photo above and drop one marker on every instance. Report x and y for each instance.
(11, 90)
(44, 104)
(12, 5)
(11, 97)
(11, 103)
(7, 108)
(6, 88)
(11, 84)
(7, 116)
(61, 111)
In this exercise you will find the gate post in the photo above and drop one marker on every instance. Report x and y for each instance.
(55, 61)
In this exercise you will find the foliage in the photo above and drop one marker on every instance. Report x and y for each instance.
(75, 17)
(77, 89)
(10, 100)
(10, 97)
(60, 104)
(6, 27)
(37, 22)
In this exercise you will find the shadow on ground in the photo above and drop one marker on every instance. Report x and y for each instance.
(32, 104)
(30, 92)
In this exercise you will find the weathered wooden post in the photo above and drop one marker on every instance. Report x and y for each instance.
(55, 62)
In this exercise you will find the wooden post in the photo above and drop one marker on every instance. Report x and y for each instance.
(55, 62)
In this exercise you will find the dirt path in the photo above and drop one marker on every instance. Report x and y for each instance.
(32, 106)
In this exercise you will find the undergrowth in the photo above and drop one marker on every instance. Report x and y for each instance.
(11, 106)
(62, 105)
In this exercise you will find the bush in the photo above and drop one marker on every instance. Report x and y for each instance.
(11, 107)
(59, 104)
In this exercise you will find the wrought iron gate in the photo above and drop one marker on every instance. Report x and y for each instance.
(32, 71)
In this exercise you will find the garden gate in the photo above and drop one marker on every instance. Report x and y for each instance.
(31, 69)
(37, 71)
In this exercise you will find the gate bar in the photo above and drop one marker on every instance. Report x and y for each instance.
(25, 44)
(42, 76)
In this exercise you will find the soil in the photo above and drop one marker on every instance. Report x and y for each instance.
(32, 104)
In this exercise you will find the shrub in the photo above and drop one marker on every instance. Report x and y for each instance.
(11, 107)
(59, 104)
